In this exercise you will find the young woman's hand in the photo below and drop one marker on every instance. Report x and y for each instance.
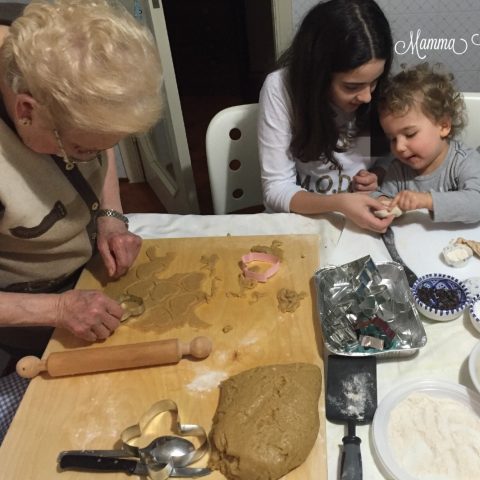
(88, 314)
(117, 246)
(365, 181)
(359, 208)
(408, 200)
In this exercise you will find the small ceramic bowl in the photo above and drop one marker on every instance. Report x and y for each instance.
(474, 366)
(440, 297)
(473, 285)
(474, 312)
(457, 254)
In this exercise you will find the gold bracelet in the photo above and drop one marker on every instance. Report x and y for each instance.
(108, 212)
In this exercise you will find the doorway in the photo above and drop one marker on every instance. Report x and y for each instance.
(221, 51)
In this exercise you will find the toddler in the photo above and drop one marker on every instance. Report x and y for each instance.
(422, 113)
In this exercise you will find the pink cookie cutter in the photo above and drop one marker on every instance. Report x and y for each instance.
(260, 257)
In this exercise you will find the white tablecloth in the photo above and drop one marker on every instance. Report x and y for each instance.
(158, 225)
(419, 242)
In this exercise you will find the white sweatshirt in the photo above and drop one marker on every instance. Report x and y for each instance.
(283, 175)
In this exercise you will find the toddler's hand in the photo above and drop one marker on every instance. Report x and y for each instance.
(364, 181)
(408, 200)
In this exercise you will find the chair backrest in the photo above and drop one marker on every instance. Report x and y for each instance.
(471, 133)
(232, 158)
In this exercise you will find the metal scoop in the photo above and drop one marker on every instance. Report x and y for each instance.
(164, 457)
(352, 398)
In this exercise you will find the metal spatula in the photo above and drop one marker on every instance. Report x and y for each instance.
(352, 398)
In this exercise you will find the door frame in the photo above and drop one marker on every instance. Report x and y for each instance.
(282, 24)
(178, 193)
(282, 19)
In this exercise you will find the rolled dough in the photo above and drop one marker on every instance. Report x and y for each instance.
(266, 421)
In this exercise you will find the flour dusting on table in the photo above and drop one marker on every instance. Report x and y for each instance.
(249, 340)
(207, 381)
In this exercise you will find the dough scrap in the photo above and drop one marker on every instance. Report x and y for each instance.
(475, 246)
(266, 421)
(274, 249)
(209, 262)
(289, 300)
(395, 211)
(245, 284)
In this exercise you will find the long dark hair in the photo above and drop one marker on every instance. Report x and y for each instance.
(335, 36)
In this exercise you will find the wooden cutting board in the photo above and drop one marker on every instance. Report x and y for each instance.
(247, 330)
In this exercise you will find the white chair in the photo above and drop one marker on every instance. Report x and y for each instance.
(232, 158)
(471, 133)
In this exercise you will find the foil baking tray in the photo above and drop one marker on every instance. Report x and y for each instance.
(357, 292)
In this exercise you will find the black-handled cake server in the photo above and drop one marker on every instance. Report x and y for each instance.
(389, 240)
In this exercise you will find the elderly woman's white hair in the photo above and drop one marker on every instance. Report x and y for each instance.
(89, 63)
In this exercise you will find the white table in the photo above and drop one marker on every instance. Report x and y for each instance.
(445, 357)
(419, 242)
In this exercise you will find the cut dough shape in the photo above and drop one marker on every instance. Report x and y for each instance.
(141, 289)
(266, 421)
(395, 211)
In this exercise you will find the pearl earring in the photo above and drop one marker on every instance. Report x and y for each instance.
(25, 121)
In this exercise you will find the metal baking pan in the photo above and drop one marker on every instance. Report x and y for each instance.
(349, 294)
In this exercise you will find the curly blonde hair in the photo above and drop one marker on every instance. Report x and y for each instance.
(89, 63)
(428, 86)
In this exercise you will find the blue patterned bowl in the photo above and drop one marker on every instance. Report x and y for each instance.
(440, 297)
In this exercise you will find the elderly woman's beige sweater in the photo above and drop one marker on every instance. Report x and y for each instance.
(47, 215)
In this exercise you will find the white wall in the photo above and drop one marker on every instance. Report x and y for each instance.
(455, 21)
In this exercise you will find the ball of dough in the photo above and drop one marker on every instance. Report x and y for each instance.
(395, 211)
(266, 421)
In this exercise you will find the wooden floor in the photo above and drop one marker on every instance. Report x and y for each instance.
(139, 198)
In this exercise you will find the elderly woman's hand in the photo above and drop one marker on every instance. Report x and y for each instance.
(88, 314)
(117, 246)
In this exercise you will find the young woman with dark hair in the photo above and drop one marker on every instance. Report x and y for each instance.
(316, 117)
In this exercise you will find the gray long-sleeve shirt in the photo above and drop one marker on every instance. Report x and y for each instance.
(454, 185)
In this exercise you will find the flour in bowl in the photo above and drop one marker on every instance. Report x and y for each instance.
(435, 438)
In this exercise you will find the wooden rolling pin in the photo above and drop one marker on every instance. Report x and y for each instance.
(91, 360)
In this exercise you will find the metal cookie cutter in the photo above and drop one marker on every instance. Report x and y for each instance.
(132, 306)
(151, 460)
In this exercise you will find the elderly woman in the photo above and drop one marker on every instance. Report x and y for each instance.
(76, 76)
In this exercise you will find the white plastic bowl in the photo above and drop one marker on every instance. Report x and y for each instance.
(474, 312)
(457, 254)
(382, 448)
(474, 366)
(433, 309)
